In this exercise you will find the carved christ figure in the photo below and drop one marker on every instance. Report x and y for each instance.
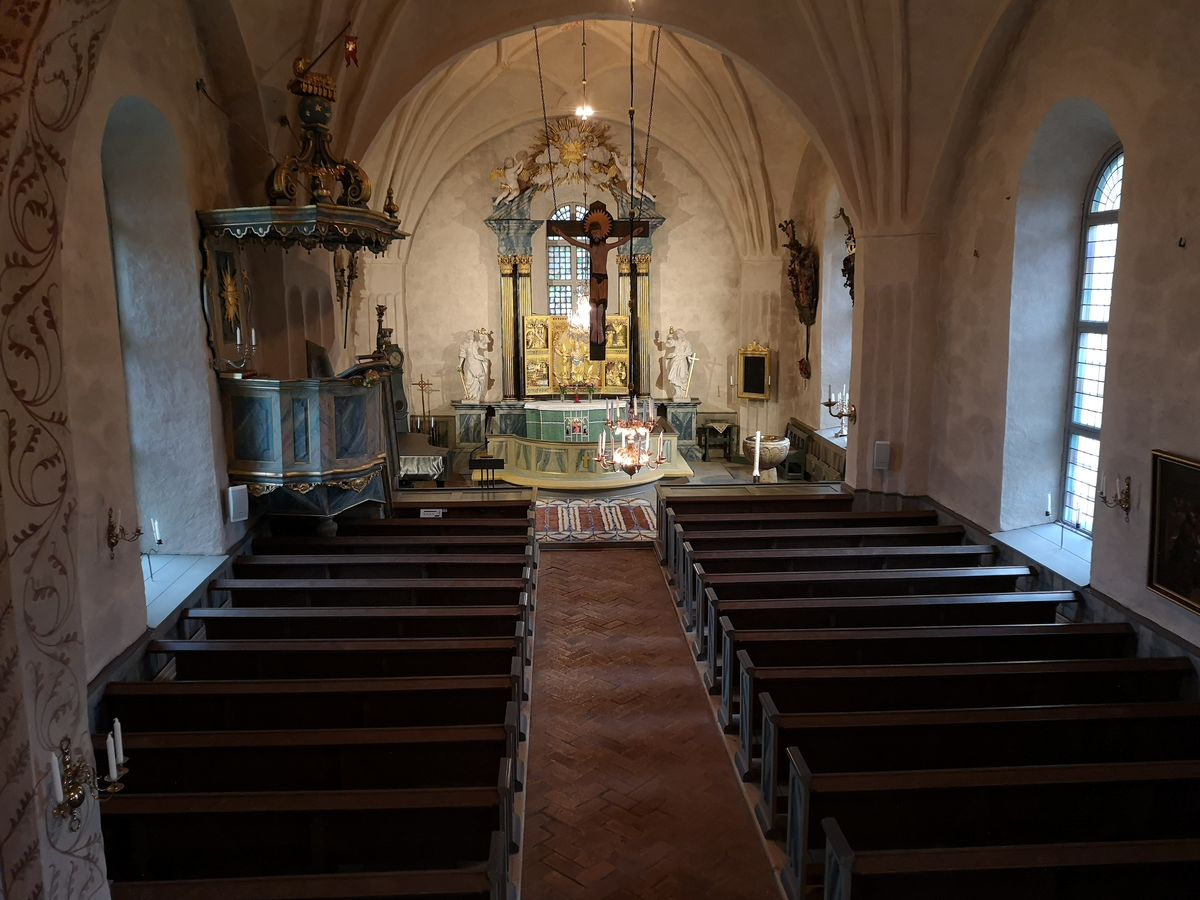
(597, 225)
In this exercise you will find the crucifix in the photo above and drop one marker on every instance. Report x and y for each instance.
(426, 388)
(597, 226)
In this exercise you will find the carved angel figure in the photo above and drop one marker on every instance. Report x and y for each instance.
(509, 175)
(629, 176)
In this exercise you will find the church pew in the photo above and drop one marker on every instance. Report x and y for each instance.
(459, 504)
(380, 565)
(873, 612)
(355, 759)
(679, 524)
(916, 645)
(249, 660)
(981, 824)
(361, 528)
(700, 540)
(1163, 869)
(796, 689)
(299, 704)
(982, 737)
(705, 564)
(394, 544)
(722, 502)
(332, 592)
(230, 623)
(299, 832)
(858, 583)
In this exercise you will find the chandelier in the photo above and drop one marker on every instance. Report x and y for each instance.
(629, 451)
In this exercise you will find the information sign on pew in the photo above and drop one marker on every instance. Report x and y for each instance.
(432, 513)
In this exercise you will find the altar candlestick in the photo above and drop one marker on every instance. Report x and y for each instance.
(118, 744)
(757, 451)
(112, 758)
(56, 779)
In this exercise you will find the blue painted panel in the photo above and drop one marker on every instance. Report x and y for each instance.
(300, 429)
(253, 431)
(350, 425)
(513, 423)
(470, 428)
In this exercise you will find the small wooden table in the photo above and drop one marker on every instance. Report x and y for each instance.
(718, 434)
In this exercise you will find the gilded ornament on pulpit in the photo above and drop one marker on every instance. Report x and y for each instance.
(231, 295)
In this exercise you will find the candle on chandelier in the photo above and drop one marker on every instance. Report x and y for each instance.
(118, 744)
(237, 335)
(602, 442)
(253, 337)
(56, 779)
(112, 758)
(831, 394)
(757, 451)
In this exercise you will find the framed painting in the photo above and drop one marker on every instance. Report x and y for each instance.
(1175, 529)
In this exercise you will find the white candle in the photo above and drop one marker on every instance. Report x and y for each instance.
(112, 758)
(831, 393)
(845, 390)
(154, 525)
(602, 442)
(253, 337)
(757, 451)
(1049, 504)
(1104, 483)
(117, 742)
(237, 335)
(56, 779)
(658, 453)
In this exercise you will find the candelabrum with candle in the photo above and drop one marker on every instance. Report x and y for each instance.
(243, 366)
(1122, 498)
(630, 449)
(842, 409)
(117, 533)
(149, 554)
(73, 781)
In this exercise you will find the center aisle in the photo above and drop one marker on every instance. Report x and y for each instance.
(630, 793)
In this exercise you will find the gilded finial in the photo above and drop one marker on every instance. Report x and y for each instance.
(390, 206)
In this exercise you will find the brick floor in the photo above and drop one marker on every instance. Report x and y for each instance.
(630, 790)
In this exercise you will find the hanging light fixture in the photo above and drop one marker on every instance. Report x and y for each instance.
(629, 451)
(584, 111)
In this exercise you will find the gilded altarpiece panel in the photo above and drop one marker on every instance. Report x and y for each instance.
(557, 358)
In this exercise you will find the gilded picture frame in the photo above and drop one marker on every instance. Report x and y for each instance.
(754, 372)
(1174, 566)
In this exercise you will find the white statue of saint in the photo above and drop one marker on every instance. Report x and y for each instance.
(473, 366)
(679, 359)
(510, 180)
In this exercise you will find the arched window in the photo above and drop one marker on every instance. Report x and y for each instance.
(568, 268)
(1090, 351)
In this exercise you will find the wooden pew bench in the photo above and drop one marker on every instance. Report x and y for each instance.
(802, 538)
(461, 504)
(232, 623)
(969, 738)
(395, 544)
(176, 837)
(380, 565)
(334, 592)
(362, 528)
(351, 658)
(477, 881)
(1020, 608)
(306, 704)
(745, 499)
(710, 563)
(858, 583)
(949, 686)
(909, 646)
(678, 524)
(981, 825)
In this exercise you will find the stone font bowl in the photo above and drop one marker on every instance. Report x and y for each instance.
(771, 452)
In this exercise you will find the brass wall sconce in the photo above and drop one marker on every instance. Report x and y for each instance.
(1122, 499)
(116, 534)
(842, 409)
(74, 781)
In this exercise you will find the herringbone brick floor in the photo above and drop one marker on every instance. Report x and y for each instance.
(630, 791)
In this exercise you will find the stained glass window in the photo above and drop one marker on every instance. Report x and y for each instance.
(568, 268)
(1090, 349)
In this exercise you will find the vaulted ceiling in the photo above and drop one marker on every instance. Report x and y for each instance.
(889, 90)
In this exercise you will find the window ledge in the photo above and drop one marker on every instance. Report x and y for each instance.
(1063, 551)
(175, 579)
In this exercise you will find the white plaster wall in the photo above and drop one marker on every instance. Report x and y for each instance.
(1137, 63)
(110, 592)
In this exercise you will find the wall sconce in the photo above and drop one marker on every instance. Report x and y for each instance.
(74, 780)
(116, 533)
(1121, 499)
(841, 408)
